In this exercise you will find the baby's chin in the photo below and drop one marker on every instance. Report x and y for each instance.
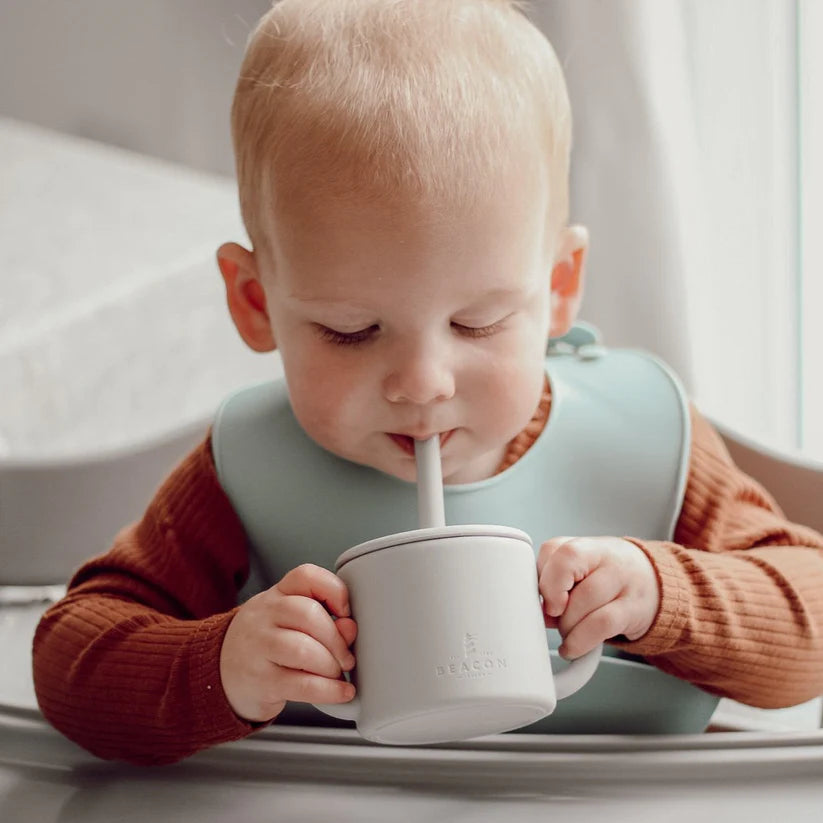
(398, 467)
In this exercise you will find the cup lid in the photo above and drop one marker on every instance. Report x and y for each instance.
(425, 535)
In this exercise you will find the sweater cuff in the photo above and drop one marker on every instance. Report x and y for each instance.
(672, 614)
(210, 706)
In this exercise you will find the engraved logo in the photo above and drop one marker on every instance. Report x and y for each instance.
(473, 663)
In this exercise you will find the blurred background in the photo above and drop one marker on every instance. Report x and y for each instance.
(696, 167)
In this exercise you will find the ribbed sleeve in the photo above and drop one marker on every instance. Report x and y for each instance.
(127, 664)
(741, 609)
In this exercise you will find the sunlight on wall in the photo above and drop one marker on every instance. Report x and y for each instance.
(811, 212)
(742, 291)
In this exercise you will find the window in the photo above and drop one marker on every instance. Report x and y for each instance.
(756, 286)
(810, 234)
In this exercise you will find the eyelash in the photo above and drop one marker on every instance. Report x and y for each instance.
(340, 338)
(358, 338)
(478, 332)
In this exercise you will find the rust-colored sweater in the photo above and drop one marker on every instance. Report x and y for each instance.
(127, 664)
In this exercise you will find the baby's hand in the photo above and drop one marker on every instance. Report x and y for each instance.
(594, 588)
(283, 644)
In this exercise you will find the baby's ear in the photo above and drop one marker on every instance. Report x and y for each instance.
(568, 276)
(245, 296)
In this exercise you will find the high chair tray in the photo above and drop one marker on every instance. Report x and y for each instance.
(296, 773)
(307, 774)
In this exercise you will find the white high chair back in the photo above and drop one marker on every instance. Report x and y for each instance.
(795, 482)
(54, 514)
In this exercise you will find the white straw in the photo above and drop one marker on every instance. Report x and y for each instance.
(430, 511)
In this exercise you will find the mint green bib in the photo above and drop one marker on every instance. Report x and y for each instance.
(611, 460)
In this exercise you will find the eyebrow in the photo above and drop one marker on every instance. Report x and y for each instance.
(487, 296)
(328, 308)
(323, 303)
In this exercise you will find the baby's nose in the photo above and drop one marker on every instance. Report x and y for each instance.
(420, 380)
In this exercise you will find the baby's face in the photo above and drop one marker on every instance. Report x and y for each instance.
(393, 326)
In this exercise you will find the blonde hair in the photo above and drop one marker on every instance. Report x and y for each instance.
(423, 99)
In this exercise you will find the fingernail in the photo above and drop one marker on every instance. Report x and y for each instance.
(348, 662)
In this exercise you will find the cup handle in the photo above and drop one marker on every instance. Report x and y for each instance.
(577, 673)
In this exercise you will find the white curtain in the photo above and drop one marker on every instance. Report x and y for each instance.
(684, 166)
(684, 169)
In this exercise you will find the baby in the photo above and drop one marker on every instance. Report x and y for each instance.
(403, 176)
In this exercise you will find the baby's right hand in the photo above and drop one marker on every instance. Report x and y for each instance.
(282, 644)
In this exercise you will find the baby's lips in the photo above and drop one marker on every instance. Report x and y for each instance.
(406, 441)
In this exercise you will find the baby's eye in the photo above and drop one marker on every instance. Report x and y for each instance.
(341, 338)
(478, 331)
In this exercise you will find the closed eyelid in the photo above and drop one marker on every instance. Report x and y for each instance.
(368, 334)
(481, 323)
(347, 338)
(478, 331)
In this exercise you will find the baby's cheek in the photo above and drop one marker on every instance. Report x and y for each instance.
(314, 409)
(519, 393)
(328, 412)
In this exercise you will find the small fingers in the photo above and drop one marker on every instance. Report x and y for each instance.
(320, 584)
(594, 628)
(298, 650)
(310, 688)
(560, 566)
(594, 591)
(348, 630)
(548, 548)
(306, 615)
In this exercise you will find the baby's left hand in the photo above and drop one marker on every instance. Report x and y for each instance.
(594, 588)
